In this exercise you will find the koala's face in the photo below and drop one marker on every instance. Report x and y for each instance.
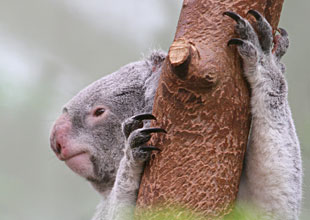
(88, 137)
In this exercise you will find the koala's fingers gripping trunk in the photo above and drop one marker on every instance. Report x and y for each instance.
(202, 101)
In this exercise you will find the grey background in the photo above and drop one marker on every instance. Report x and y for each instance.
(50, 49)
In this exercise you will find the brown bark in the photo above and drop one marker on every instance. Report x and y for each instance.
(202, 101)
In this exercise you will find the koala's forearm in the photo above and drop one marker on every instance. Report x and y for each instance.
(273, 160)
(127, 181)
(273, 173)
(125, 190)
(120, 203)
(273, 163)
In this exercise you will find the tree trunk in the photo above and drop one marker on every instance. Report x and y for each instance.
(202, 101)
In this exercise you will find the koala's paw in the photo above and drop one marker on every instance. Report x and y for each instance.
(258, 47)
(281, 43)
(137, 136)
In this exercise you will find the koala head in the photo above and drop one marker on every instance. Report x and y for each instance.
(88, 136)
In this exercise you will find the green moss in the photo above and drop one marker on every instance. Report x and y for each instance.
(244, 212)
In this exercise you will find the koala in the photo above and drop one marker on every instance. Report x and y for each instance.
(103, 131)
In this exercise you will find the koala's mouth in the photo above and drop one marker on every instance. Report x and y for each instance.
(80, 163)
(69, 157)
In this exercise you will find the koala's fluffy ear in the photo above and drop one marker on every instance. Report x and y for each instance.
(157, 57)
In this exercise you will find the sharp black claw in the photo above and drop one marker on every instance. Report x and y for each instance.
(150, 148)
(256, 14)
(233, 15)
(144, 117)
(283, 32)
(153, 130)
(235, 41)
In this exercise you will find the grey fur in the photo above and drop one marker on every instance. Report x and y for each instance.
(272, 177)
(272, 181)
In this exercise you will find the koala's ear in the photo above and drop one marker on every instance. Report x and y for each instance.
(157, 57)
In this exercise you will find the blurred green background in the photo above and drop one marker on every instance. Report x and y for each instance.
(50, 49)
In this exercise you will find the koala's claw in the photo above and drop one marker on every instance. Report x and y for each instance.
(283, 32)
(150, 148)
(144, 117)
(135, 122)
(137, 136)
(233, 15)
(253, 45)
(235, 41)
(140, 136)
(281, 43)
(262, 38)
(256, 14)
(243, 28)
(264, 30)
(135, 146)
(153, 130)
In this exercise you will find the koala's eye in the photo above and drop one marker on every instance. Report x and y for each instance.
(99, 111)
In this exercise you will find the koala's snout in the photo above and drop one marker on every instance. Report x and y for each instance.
(59, 139)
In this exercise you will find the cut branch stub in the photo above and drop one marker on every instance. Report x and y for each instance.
(183, 58)
(179, 57)
(179, 52)
(202, 101)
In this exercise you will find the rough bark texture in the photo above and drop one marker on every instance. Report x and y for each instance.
(203, 102)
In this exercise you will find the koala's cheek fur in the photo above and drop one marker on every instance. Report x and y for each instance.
(105, 140)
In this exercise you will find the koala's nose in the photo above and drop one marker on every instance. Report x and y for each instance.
(60, 133)
(58, 147)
